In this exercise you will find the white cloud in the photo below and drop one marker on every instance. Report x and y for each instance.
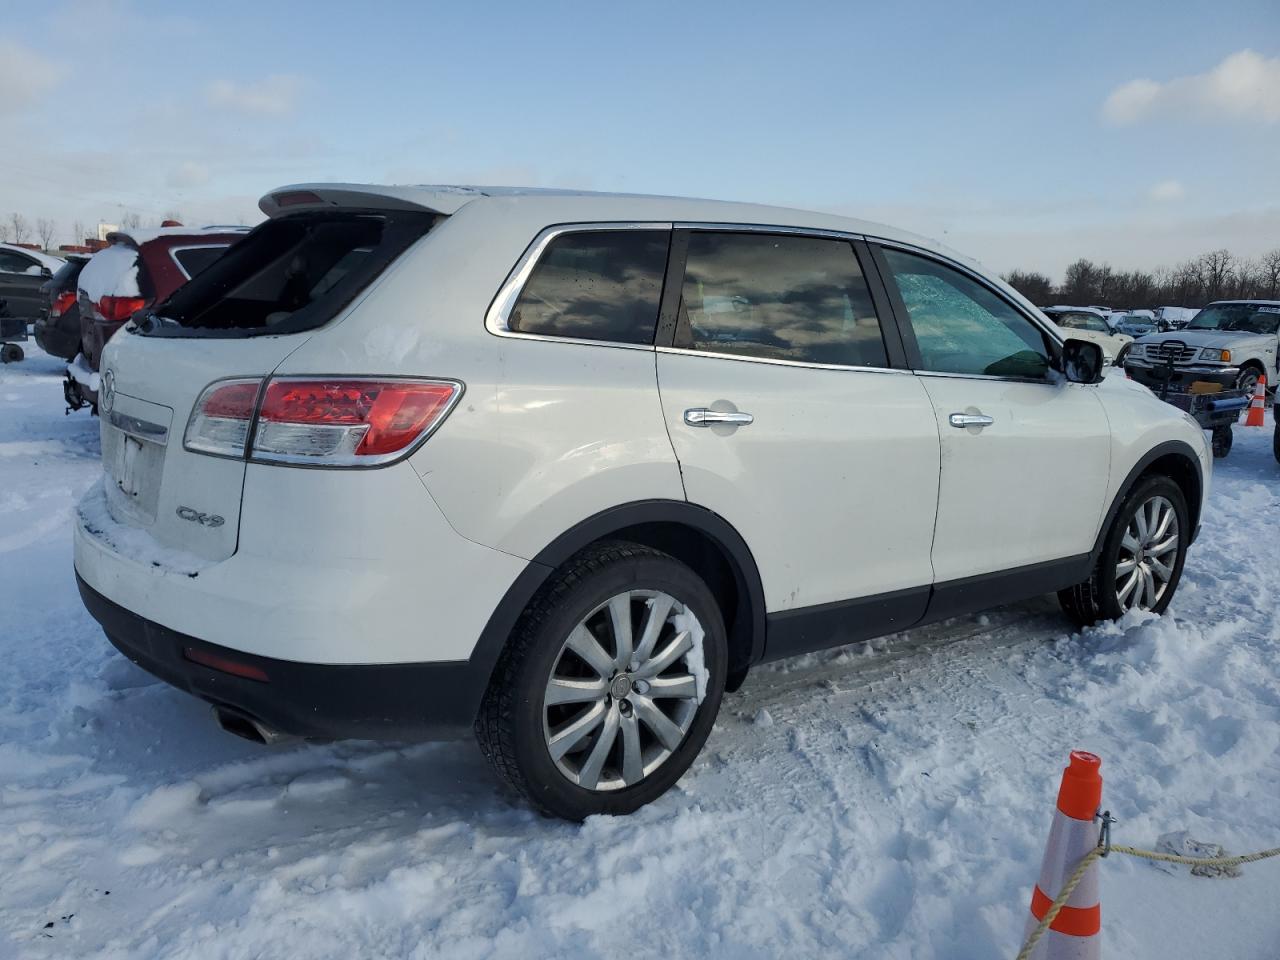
(189, 173)
(1244, 86)
(1167, 190)
(25, 77)
(271, 96)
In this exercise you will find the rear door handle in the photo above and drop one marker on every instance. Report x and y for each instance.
(702, 417)
(962, 420)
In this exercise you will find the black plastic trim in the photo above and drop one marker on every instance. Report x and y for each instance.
(806, 629)
(1175, 447)
(672, 285)
(890, 326)
(395, 701)
(955, 598)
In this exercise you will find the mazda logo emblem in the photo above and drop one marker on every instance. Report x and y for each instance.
(108, 393)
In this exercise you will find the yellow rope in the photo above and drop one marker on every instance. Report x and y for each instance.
(1087, 860)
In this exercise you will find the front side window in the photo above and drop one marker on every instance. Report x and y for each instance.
(778, 297)
(962, 327)
(595, 285)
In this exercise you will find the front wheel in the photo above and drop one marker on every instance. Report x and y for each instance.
(1248, 380)
(1275, 441)
(1141, 559)
(609, 684)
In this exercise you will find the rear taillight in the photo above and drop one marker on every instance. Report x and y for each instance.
(119, 309)
(350, 421)
(220, 420)
(62, 303)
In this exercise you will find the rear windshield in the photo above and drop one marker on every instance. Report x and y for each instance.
(64, 278)
(289, 274)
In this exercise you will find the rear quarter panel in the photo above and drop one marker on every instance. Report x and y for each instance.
(547, 434)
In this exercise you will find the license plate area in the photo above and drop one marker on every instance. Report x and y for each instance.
(134, 439)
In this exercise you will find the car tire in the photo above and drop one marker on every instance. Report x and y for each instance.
(1275, 442)
(1221, 441)
(11, 353)
(1248, 380)
(1120, 567)
(603, 750)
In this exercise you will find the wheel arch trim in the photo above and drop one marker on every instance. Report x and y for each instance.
(1178, 448)
(599, 527)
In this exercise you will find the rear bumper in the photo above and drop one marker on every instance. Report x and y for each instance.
(401, 701)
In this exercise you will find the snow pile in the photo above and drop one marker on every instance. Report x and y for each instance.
(889, 800)
(80, 371)
(112, 272)
(133, 543)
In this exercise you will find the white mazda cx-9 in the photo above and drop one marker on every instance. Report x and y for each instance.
(558, 468)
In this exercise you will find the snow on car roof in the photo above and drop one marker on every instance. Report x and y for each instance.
(140, 236)
(46, 259)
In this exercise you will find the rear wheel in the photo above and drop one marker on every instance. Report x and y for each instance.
(609, 685)
(1141, 559)
(11, 353)
(1275, 441)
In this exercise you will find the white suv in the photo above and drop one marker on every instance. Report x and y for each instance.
(559, 468)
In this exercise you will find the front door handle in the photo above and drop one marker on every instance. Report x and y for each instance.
(702, 417)
(962, 420)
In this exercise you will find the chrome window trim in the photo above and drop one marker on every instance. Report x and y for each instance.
(778, 361)
(496, 318)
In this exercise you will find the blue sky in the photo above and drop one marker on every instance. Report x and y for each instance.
(1025, 134)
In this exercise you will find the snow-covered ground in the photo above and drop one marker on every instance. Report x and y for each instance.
(885, 801)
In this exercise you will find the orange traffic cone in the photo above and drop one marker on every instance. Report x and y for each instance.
(1074, 933)
(1257, 404)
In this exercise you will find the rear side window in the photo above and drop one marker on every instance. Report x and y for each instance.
(64, 278)
(289, 274)
(778, 297)
(15, 263)
(595, 285)
(194, 260)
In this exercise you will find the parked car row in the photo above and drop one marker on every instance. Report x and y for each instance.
(22, 273)
(559, 468)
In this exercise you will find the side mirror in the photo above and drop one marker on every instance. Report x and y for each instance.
(1082, 361)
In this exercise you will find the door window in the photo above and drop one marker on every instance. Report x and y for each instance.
(961, 326)
(15, 263)
(778, 297)
(596, 285)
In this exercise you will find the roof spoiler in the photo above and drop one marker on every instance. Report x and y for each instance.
(319, 196)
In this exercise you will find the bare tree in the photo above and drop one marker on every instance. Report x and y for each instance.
(1213, 272)
(1269, 273)
(18, 226)
(1036, 287)
(78, 235)
(45, 229)
(130, 221)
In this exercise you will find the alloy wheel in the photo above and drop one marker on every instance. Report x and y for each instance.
(624, 690)
(1148, 554)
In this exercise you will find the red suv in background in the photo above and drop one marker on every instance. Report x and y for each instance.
(137, 268)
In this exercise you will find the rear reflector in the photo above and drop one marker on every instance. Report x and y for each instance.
(348, 422)
(339, 422)
(220, 419)
(119, 309)
(225, 665)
